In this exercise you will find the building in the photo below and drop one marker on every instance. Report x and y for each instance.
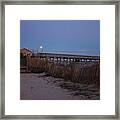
(25, 52)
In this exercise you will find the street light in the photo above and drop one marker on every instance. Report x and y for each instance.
(41, 48)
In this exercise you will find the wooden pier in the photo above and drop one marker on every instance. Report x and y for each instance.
(66, 57)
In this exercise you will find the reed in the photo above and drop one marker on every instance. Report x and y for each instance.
(87, 74)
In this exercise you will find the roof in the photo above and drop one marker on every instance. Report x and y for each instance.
(25, 49)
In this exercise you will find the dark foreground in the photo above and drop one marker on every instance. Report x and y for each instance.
(43, 87)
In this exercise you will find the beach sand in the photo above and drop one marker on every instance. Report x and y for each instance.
(42, 87)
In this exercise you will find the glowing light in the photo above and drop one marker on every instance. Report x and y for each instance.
(41, 47)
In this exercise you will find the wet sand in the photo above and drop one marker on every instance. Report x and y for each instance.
(43, 87)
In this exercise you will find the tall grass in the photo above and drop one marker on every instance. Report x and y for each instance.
(88, 74)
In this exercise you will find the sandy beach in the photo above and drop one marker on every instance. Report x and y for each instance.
(42, 87)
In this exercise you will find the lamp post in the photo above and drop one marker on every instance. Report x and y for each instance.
(41, 48)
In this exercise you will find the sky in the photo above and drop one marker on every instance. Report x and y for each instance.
(62, 36)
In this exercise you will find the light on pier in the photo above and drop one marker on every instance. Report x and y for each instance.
(41, 48)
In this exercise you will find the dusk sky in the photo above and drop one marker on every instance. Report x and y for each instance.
(70, 36)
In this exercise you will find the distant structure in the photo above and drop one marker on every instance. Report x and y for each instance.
(25, 52)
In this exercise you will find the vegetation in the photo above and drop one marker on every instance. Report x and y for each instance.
(88, 73)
